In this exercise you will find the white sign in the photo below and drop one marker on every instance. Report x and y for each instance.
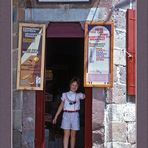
(63, 0)
(98, 54)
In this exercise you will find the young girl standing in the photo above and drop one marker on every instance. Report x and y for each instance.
(70, 105)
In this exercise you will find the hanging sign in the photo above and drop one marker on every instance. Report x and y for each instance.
(98, 57)
(30, 73)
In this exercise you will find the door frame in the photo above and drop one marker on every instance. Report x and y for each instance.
(39, 120)
(71, 31)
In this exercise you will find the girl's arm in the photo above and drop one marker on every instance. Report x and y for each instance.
(60, 108)
(82, 96)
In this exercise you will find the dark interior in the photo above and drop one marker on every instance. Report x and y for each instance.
(64, 58)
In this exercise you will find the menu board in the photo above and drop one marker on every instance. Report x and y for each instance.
(98, 59)
(31, 56)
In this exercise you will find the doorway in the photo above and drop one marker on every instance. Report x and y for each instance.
(64, 59)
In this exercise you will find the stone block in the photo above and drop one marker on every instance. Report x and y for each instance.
(121, 4)
(122, 74)
(134, 146)
(98, 136)
(54, 14)
(21, 3)
(120, 39)
(15, 58)
(28, 139)
(97, 14)
(97, 145)
(118, 145)
(115, 112)
(15, 27)
(28, 110)
(109, 94)
(102, 14)
(17, 139)
(119, 74)
(105, 3)
(15, 14)
(97, 113)
(131, 99)
(132, 132)
(130, 112)
(116, 132)
(15, 2)
(28, 123)
(115, 2)
(17, 100)
(21, 14)
(121, 112)
(119, 57)
(99, 94)
(115, 72)
(119, 18)
(15, 41)
(117, 94)
(134, 5)
(14, 78)
(98, 106)
(17, 120)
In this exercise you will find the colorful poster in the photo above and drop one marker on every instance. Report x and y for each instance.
(98, 66)
(31, 56)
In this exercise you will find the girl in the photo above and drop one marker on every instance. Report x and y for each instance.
(70, 105)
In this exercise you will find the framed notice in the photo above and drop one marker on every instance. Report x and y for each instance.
(30, 73)
(98, 54)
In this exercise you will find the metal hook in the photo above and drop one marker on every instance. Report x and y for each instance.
(129, 55)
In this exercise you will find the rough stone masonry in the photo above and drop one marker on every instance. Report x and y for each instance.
(114, 114)
(120, 113)
(114, 118)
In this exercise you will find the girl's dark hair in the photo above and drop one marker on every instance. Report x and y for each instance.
(75, 79)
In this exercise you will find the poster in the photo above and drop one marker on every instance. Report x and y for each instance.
(31, 56)
(98, 66)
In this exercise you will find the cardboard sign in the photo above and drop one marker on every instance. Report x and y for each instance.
(30, 73)
(98, 58)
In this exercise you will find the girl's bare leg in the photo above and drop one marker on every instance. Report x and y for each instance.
(66, 138)
(73, 138)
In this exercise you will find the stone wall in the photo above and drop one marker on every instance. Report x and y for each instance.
(120, 111)
(113, 118)
(17, 95)
(98, 108)
(23, 101)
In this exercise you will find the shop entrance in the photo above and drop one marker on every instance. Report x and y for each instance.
(64, 59)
